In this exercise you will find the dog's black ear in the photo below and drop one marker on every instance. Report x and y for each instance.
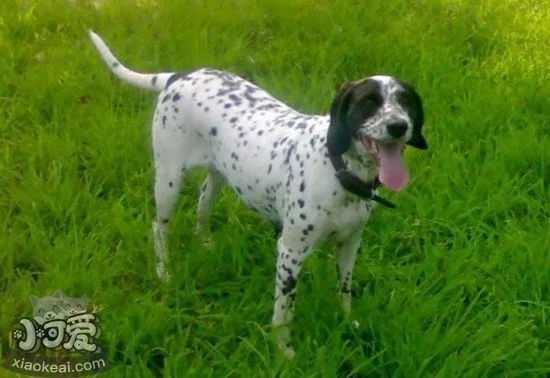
(419, 142)
(417, 112)
(339, 135)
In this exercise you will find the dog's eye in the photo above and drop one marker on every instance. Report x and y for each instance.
(366, 108)
(373, 100)
(404, 98)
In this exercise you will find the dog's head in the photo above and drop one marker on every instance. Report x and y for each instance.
(381, 114)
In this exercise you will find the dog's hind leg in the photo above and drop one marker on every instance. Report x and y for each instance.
(176, 151)
(210, 190)
(168, 181)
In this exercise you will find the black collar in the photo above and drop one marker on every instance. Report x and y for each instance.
(354, 184)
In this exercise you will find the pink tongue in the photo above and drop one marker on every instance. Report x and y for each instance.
(393, 173)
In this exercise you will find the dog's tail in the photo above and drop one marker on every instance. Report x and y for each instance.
(153, 82)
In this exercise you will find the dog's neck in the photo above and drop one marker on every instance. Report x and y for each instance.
(358, 175)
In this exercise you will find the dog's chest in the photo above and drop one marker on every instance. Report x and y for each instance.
(345, 217)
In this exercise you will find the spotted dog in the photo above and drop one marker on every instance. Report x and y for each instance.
(313, 176)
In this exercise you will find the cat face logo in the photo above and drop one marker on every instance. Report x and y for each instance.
(57, 306)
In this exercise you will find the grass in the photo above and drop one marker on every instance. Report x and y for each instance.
(454, 282)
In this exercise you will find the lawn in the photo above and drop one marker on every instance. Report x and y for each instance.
(455, 282)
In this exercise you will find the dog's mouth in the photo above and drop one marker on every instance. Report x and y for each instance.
(388, 157)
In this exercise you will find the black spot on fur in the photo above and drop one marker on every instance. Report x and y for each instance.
(177, 76)
(236, 99)
(287, 159)
(213, 131)
(288, 285)
(287, 269)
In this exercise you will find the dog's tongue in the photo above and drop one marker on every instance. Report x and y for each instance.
(393, 173)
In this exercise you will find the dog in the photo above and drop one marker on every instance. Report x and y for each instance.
(314, 177)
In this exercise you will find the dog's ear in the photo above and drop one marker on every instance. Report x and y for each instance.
(339, 135)
(417, 140)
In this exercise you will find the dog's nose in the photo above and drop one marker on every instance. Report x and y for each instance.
(397, 129)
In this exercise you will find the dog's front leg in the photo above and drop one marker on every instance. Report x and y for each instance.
(346, 256)
(289, 263)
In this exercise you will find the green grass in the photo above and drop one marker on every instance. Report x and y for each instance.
(453, 283)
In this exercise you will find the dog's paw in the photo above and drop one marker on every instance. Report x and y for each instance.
(162, 274)
(282, 341)
(288, 352)
(205, 236)
(207, 241)
(345, 302)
